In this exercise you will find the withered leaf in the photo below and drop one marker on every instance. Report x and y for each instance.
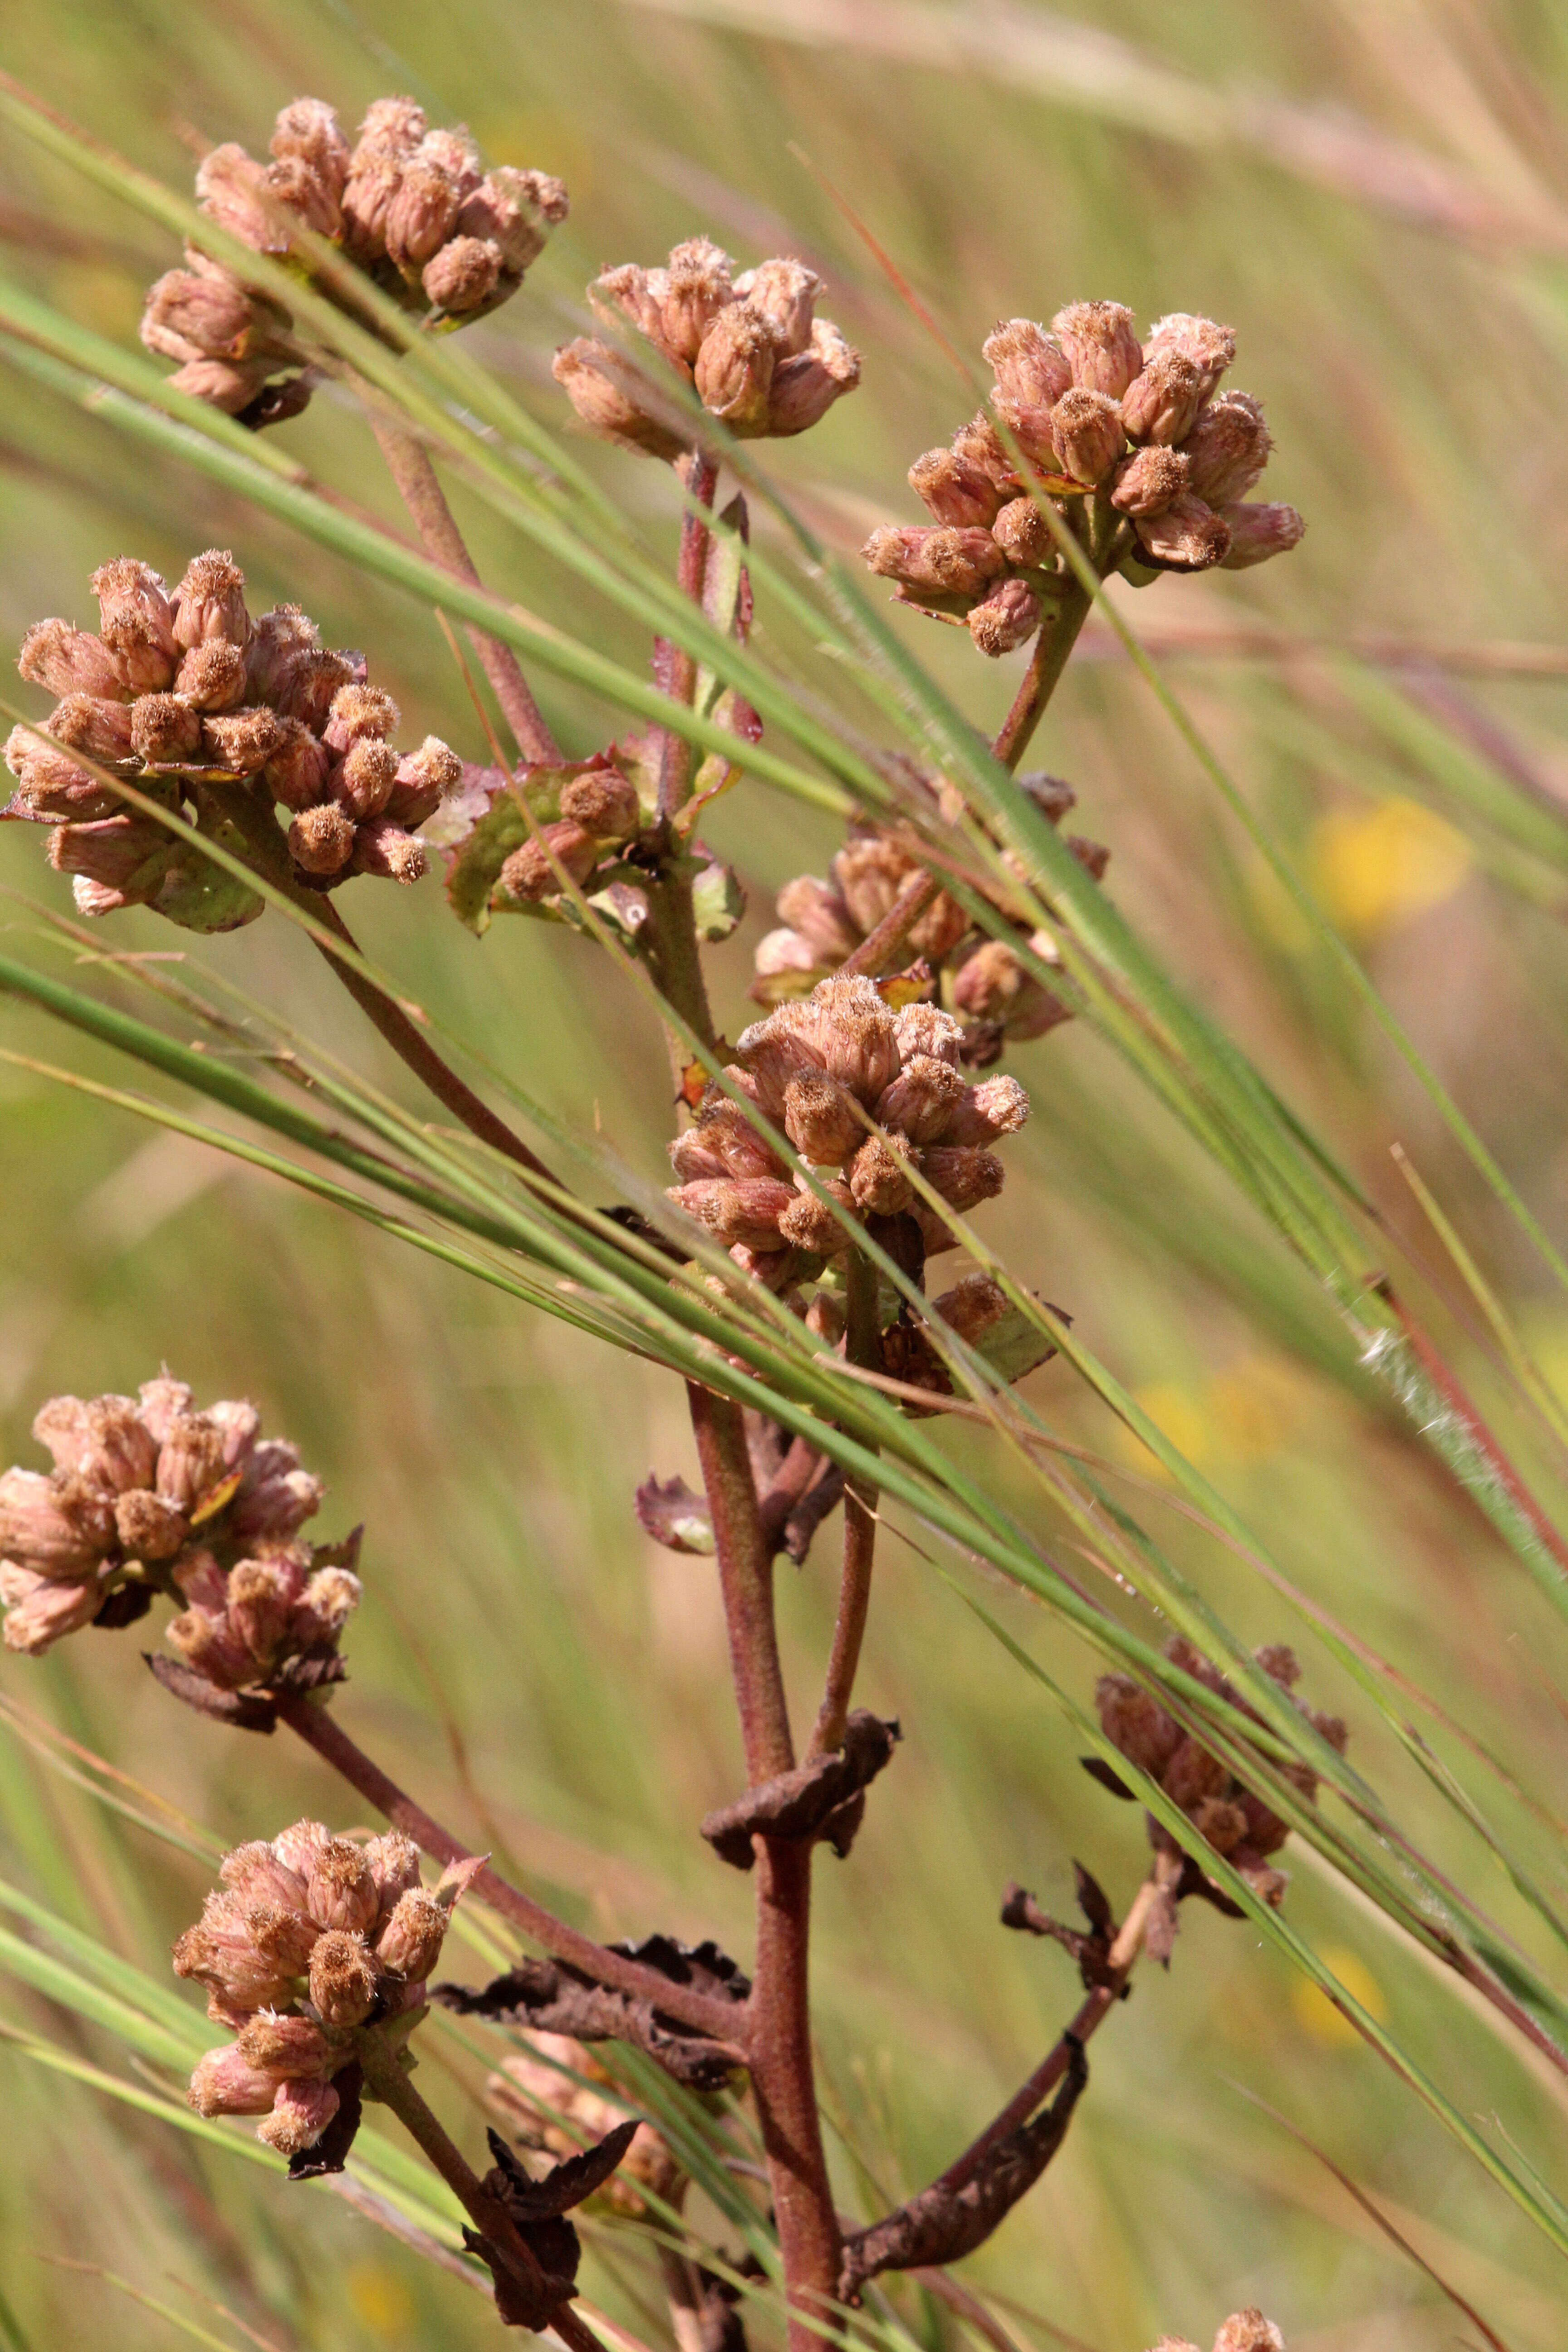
(944, 2223)
(246, 1710)
(344, 1553)
(673, 1516)
(124, 1606)
(537, 2210)
(1092, 1952)
(572, 2181)
(331, 2151)
(548, 1997)
(1099, 1769)
(821, 1798)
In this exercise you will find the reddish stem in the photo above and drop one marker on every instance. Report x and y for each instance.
(673, 668)
(746, 1580)
(785, 2085)
(321, 1731)
(879, 950)
(862, 1346)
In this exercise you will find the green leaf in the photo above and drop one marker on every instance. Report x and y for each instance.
(718, 901)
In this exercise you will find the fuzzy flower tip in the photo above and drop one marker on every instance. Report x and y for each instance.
(750, 346)
(309, 1938)
(149, 1495)
(866, 1099)
(409, 207)
(1085, 408)
(181, 693)
(1243, 2331)
(1235, 1823)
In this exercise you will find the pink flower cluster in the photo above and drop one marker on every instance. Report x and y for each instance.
(182, 692)
(1092, 410)
(866, 1096)
(309, 1938)
(149, 1495)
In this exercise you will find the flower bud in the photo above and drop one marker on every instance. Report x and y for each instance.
(340, 1887)
(165, 732)
(190, 1460)
(938, 559)
(283, 1934)
(955, 491)
(241, 742)
(878, 1181)
(394, 1861)
(209, 602)
(806, 387)
(421, 214)
(533, 872)
(1194, 1773)
(1024, 534)
(363, 780)
(137, 624)
(809, 1223)
(511, 211)
(276, 1496)
(211, 676)
(222, 1953)
(1257, 532)
(745, 1209)
(311, 681)
(722, 1143)
(606, 392)
(229, 385)
(971, 1307)
(1210, 347)
(51, 785)
(1248, 2331)
(149, 1528)
(342, 1979)
(299, 189)
(962, 1173)
(391, 126)
(197, 316)
(604, 803)
(698, 288)
(257, 1875)
(163, 1403)
(323, 1608)
(230, 190)
(1135, 1723)
(424, 779)
(1148, 482)
(297, 772)
(1160, 402)
(212, 1648)
(1186, 536)
(733, 371)
(100, 730)
(284, 2046)
(69, 661)
(926, 1029)
(300, 2114)
(1030, 367)
(56, 1525)
(1227, 449)
(366, 200)
(39, 1612)
(409, 1945)
(1101, 346)
(102, 1440)
(463, 276)
(996, 1107)
(298, 1846)
(260, 1601)
(309, 129)
(822, 1120)
(785, 292)
(385, 848)
(359, 713)
(1086, 433)
(321, 840)
(921, 1100)
(225, 2083)
(1005, 619)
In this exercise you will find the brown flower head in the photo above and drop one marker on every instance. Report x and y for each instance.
(184, 695)
(293, 1980)
(1235, 1823)
(409, 207)
(1087, 411)
(751, 347)
(150, 1494)
(864, 1097)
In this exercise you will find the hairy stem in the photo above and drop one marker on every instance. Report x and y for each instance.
(320, 1730)
(862, 1347)
(1059, 634)
(385, 2078)
(408, 463)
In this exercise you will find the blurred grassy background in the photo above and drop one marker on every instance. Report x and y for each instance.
(1389, 245)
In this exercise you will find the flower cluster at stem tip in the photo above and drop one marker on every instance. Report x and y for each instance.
(310, 1939)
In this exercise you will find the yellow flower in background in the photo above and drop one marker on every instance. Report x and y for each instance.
(1317, 2013)
(381, 2301)
(1376, 869)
